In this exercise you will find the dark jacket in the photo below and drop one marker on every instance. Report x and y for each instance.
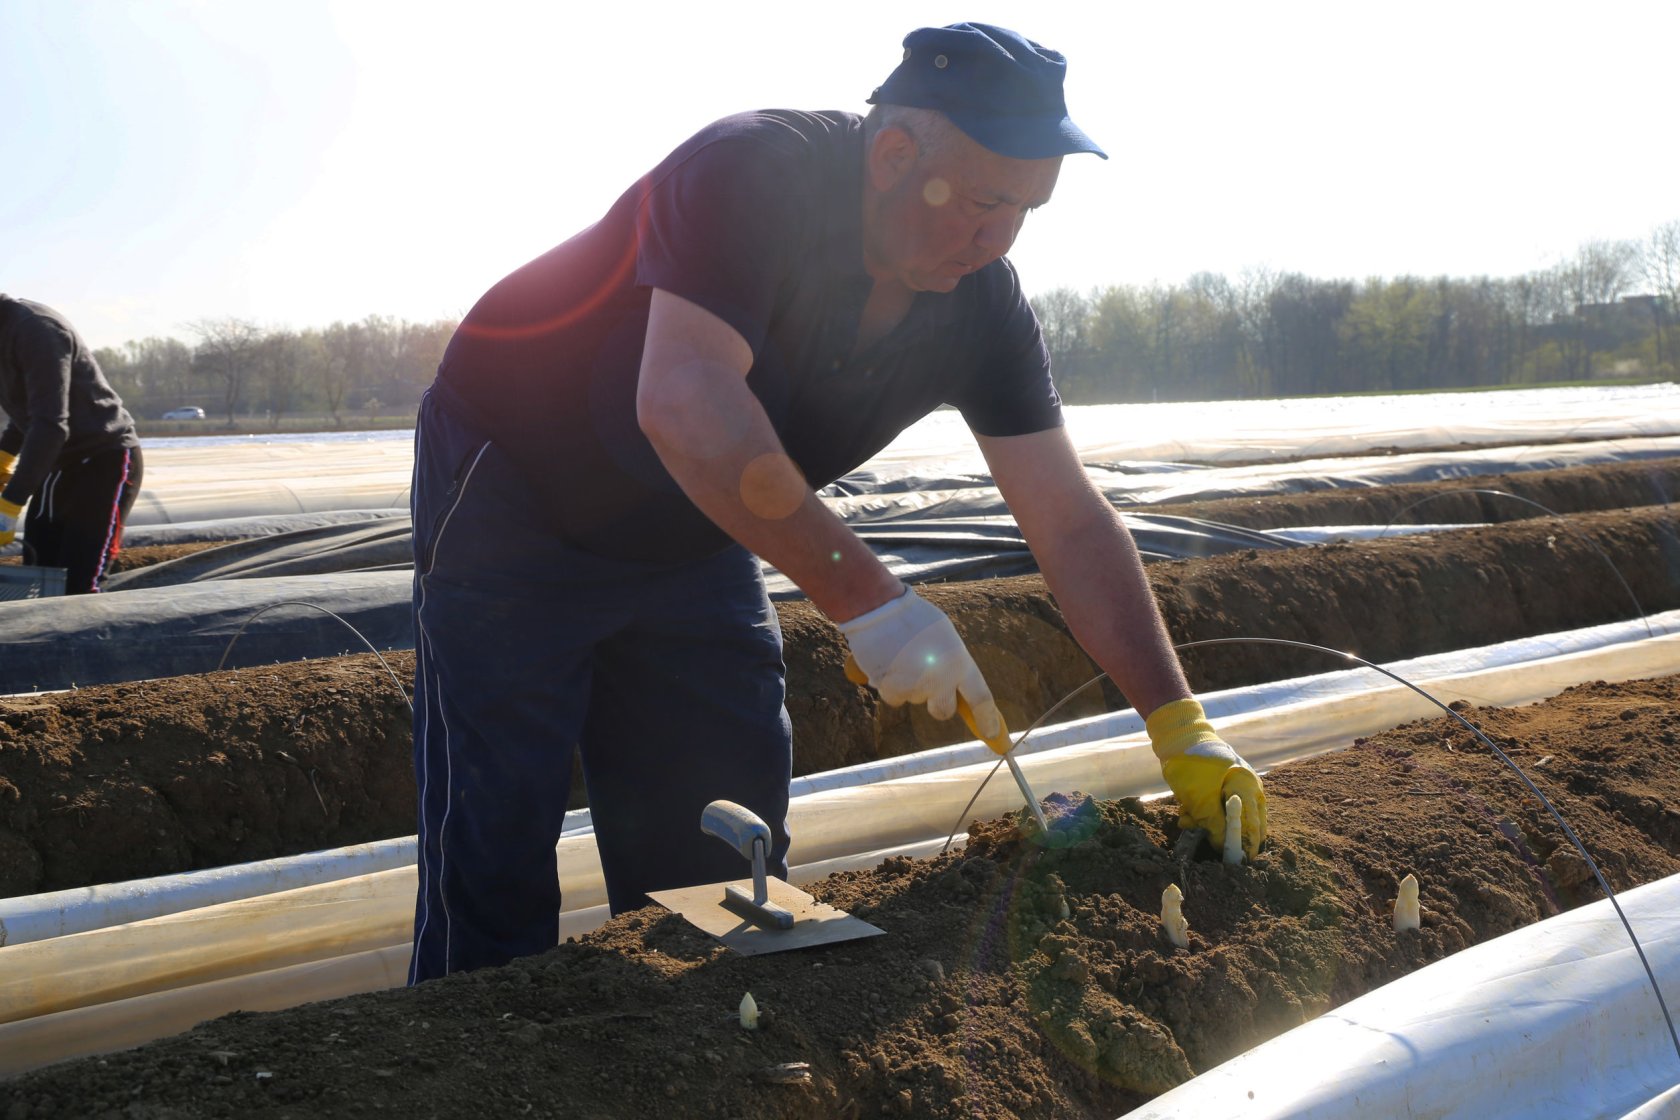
(59, 407)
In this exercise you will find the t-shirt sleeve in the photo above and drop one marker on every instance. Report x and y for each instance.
(1010, 392)
(715, 229)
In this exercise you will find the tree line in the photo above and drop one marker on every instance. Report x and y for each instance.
(237, 369)
(1612, 309)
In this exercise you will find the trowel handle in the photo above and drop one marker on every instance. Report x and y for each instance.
(735, 825)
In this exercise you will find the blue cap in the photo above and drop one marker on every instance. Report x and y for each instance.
(999, 87)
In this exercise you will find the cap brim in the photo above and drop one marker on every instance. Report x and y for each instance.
(1028, 137)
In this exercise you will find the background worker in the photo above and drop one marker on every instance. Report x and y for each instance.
(69, 450)
(621, 427)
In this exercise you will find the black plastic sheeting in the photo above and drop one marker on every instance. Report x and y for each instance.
(382, 544)
(275, 582)
(274, 593)
(984, 548)
(952, 548)
(245, 528)
(189, 628)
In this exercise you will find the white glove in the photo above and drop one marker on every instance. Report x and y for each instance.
(910, 652)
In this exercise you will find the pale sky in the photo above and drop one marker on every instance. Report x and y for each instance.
(295, 162)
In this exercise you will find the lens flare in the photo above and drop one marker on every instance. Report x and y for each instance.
(772, 487)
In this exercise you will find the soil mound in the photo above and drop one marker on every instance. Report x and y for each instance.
(1015, 979)
(115, 782)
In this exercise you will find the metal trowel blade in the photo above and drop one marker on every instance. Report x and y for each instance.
(814, 923)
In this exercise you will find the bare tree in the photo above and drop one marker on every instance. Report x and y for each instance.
(1254, 314)
(1526, 307)
(1305, 316)
(1219, 360)
(346, 364)
(279, 367)
(163, 368)
(1064, 318)
(423, 345)
(1660, 259)
(1600, 272)
(1119, 334)
(1166, 305)
(227, 351)
(1594, 278)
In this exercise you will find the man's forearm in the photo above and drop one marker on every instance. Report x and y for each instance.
(712, 434)
(1097, 577)
(715, 439)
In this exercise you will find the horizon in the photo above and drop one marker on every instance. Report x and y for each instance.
(325, 160)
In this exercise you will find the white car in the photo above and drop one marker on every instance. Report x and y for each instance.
(188, 413)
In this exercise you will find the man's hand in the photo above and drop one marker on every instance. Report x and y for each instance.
(8, 464)
(1203, 772)
(10, 514)
(910, 652)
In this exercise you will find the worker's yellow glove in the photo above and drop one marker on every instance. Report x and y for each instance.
(10, 515)
(8, 464)
(1204, 771)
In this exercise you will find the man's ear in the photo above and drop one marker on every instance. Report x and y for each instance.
(891, 156)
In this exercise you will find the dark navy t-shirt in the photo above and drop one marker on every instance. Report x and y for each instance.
(757, 218)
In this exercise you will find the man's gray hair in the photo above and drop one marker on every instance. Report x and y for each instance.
(932, 130)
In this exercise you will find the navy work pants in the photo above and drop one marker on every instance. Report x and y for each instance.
(76, 518)
(668, 678)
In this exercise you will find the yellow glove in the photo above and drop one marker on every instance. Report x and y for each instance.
(10, 515)
(1204, 771)
(999, 742)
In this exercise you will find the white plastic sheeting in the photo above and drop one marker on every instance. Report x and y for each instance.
(921, 490)
(1354, 470)
(1221, 705)
(36, 917)
(208, 478)
(123, 1023)
(214, 477)
(1557, 1019)
(59, 913)
(344, 934)
(1231, 431)
(920, 806)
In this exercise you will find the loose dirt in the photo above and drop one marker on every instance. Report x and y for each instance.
(1016, 979)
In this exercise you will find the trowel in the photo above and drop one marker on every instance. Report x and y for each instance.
(762, 914)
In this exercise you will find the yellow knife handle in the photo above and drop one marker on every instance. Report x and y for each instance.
(999, 742)
(854, 671)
